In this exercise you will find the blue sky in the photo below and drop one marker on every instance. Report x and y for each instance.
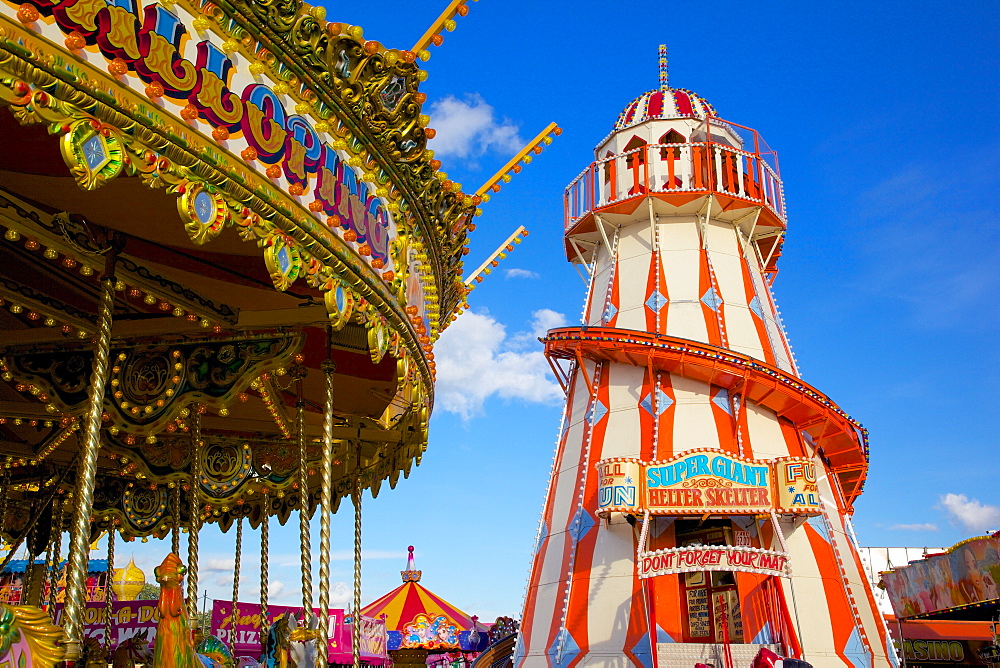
(885, 118)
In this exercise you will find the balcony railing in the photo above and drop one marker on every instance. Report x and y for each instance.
(693, 167)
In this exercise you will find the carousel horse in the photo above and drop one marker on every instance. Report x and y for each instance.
(94, 655)
(304, 639)
(174, 645)
(217, 652)
(133, 651)
(28, 638)
(278, 646)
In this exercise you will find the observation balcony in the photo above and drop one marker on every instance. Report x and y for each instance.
(721, 158)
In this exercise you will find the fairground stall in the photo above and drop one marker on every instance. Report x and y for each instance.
(227, 253)
(946, 605)
(20, 577)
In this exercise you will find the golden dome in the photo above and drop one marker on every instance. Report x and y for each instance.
(128, 582)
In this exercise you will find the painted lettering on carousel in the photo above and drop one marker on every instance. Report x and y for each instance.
(153, 42)
(709, 481)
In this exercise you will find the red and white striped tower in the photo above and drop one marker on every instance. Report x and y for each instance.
(700, 495)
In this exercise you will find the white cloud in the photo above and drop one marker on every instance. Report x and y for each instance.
(542, 321)
(519, 273)
(971, 513)
(545, 319)
(925, 526)
(218, 564)
(475, 361)
(467, 128)
(275, 588)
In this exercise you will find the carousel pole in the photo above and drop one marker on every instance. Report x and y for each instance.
(195, 520)
(4, 489)
(107, 589)
(264, 580)
(305, 549)
(236, 572)
(76, 581)
(326, 495)
(356, 626)
(52, 566)
(175, 510)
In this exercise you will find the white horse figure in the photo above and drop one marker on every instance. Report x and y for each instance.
(304, 648)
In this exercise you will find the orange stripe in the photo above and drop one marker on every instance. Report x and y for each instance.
(577, 619)
(758, 323)
(840, 614)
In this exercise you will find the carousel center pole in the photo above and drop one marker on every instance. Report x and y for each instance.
(326, 495)
(87, 469)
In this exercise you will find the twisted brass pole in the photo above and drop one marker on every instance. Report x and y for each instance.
(264, 580)
(194, 522)
(326, 498)
(305, 550)
(107, 589)
(51, 581)
(76, 580)
(175, 510)
(236, 571)
(4, 493)
(356, 626)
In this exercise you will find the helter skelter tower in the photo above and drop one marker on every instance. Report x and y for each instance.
(700, 495)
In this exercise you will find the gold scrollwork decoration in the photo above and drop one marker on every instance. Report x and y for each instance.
(203, 210)
(94, 153)
(378, 338)
(339, 305)
(283, 260)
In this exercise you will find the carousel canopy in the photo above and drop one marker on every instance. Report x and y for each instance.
(418, 618)
(271, 222)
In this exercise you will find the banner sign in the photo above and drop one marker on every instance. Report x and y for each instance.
(711, 558)
(966, 574)
(128, 618)
(701, 482)
(244, 638)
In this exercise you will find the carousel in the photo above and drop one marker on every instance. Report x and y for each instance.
(227, 255)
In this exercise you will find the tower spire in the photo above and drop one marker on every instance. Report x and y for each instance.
(664, 82)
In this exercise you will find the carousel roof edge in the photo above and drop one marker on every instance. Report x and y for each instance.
(361, 95)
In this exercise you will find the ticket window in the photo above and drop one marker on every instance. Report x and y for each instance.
(710, 602)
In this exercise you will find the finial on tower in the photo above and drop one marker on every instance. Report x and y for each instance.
(410, 574)
(664, 82)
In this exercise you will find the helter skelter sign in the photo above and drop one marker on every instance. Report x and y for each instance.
(708, 482)
(700, 482)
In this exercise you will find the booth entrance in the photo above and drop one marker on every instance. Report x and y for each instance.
(709, 598)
